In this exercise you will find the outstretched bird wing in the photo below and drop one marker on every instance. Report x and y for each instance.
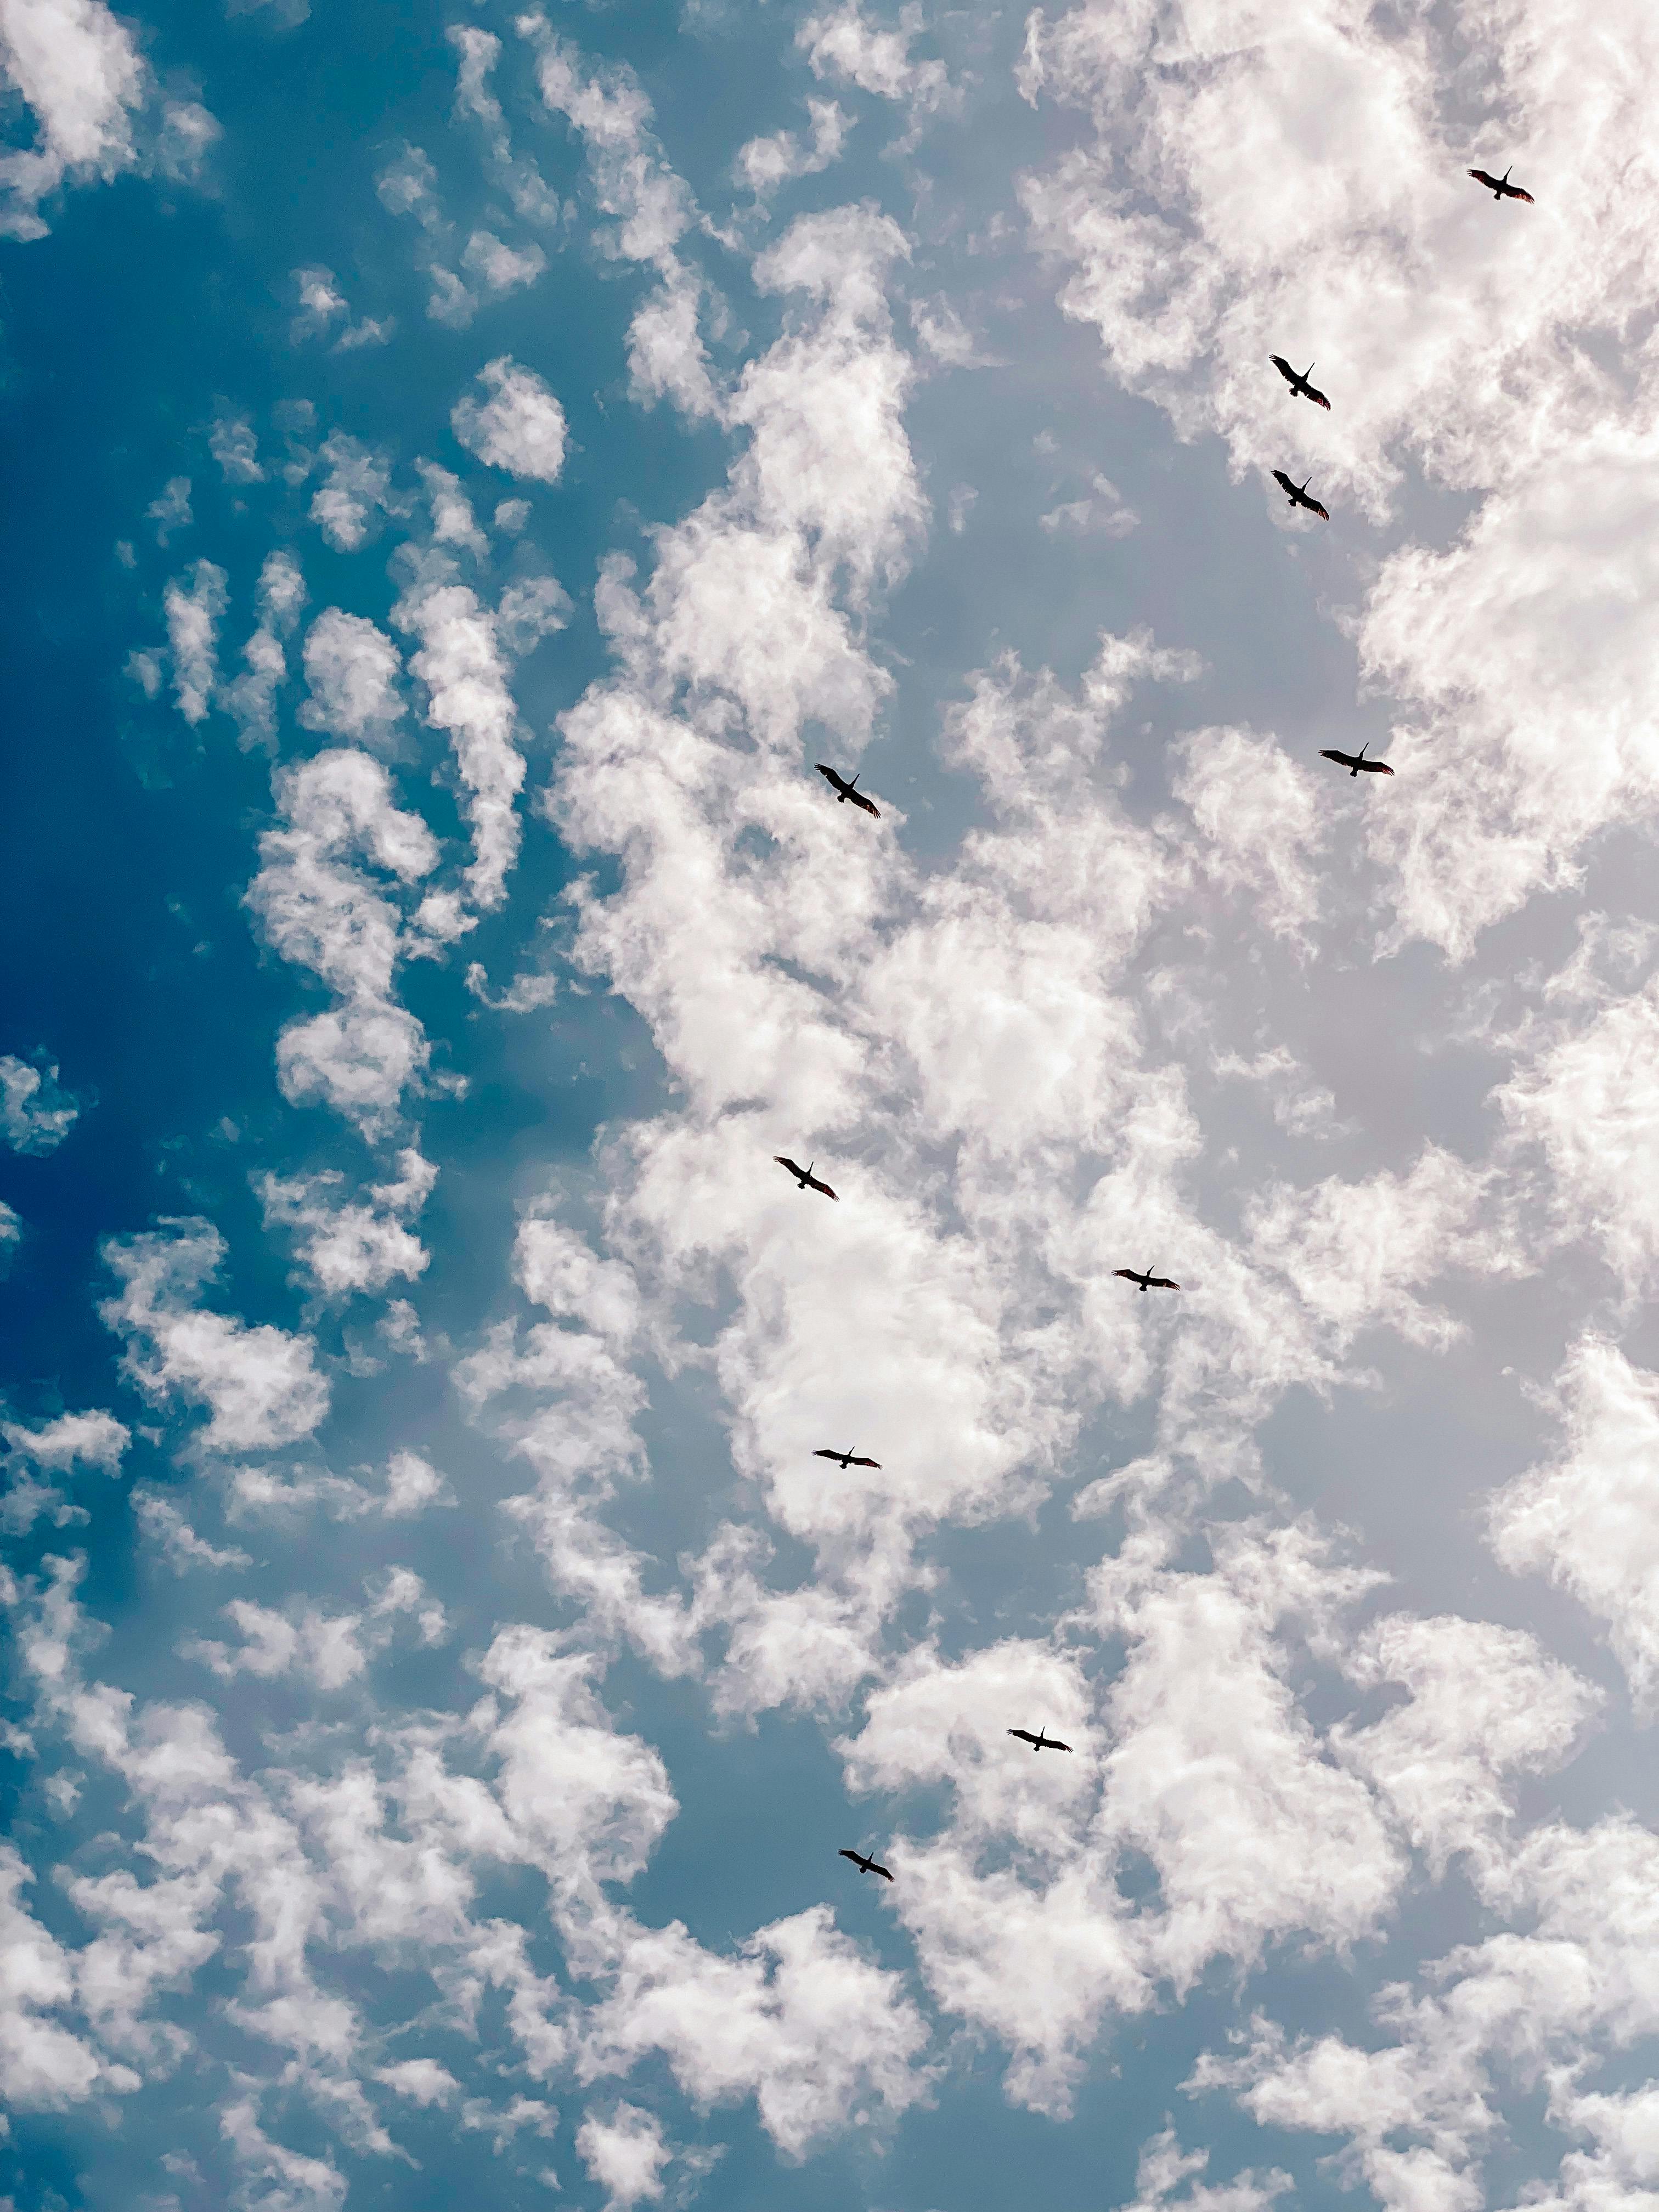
(822, 1452)
(858, 1460)
(1317, 396)
(830, 775)
(859, 799)
(857, 1857)
(784, 1161)
(817, 1183)
(1128, 1273)
(1024, 1735)
(1346, 760)
(1313, 507)
(1283, 367)
(1375, 768)
(1481, 178)
(1053, 1743)
(1284, 483)
(883, 1871)
(1160, 1283)
(1515, 193)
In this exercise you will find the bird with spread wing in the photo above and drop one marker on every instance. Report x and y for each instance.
(805, 1178)
(1500, 187)
(844, 1460)
(866, 1864)
(1040, 1742)
(1146, 1279)
(1356, 763)
(843, 790)
(1299, 496)
(1297, 380)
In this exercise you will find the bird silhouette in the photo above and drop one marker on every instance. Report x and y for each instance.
(1146, 1280)
(866, 1864)
(844, 791)
(805, 1178)
(1297, 380)
(844, 1460)
(1500, 187)
(1040, 1742)
(1355, 763)
(1298, 495)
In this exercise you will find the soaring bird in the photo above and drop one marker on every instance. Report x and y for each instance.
(1147, 1280)
(1040, 1742)
(1297, 380)
(844, 791)
(844, 1460)
(865, 1864)
(1298, 495)
(805, 1178)
(1500, 187)
(1354, 762)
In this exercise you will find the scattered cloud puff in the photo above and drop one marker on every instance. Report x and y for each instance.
(36, 1115)
(519, 427)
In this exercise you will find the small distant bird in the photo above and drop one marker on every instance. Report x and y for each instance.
(1146, 1280)
(1500, 187)
(1355, 763)
(844, 1460)
(805, 1178)
(1298, 495)
(844, 791)
(865, 1865)
(1297, 380)
(1040, 1742)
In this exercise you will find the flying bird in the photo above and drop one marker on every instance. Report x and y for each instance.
(1040, 1742)
(1500, 187)
(844, 791)
(805, 1178)
(1147, 1279)
(866, 1864)
(1297, 380)
(1355, 762)
(1298, 495)
(844, 1460)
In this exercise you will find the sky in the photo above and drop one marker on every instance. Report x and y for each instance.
(466, 466)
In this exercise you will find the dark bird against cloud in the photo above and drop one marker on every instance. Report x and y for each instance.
(844, 1460)
(1297, 380)
(805, 1178)
(865, 1865)
(1040, 1742)
(1500, 187)
(1356, 763)
(1298, 495)
(844, 791)
(1148, 1281)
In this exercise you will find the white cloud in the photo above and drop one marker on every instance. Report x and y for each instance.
(259, 1385)
(422, 2079)
(357, 487)
(320, 909)
(624, 2152)
(1589, 1520)
(846, 44)
(234, 446)
(499, 268)
(1259, 818)
(76, 66)
(11, 1235)
(765, 163)
(171, 510)
(348, 1244)
(35, 1114)
(520, 427)
(183, 1548)
(352, 669)
(47, 2066)
(71, 1440)
(193, 617)
(252, 699)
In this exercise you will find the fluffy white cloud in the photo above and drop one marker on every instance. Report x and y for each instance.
(75, 65)
(518, 425)
(194, 616)
(624, 2151)
(355, 489)
(845, 44)
(350, 1244)
(320, 909)
(35, 1114)
(252, 698)
(352, 669)
(766, 163)
(1589, 1520)
(260, 1384)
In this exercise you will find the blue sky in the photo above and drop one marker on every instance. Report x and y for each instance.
(466, 468)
